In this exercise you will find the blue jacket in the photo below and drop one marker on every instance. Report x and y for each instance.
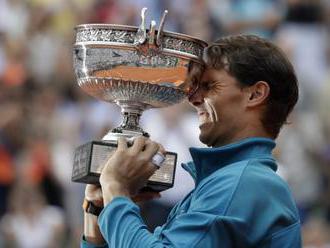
(238, 201)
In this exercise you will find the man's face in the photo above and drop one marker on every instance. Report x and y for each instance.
(220, 104)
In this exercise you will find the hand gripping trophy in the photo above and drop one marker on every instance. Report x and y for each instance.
(136, 68)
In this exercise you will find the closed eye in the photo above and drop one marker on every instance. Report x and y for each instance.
(211, 85)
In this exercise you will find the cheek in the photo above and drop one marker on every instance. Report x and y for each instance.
(211, 109)
(224, 110)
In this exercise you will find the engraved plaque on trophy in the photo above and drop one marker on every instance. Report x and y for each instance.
(137, 69)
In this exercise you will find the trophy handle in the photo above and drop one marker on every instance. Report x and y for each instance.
(160, 29)
(141, 34)
(152, 33)
(153, 40)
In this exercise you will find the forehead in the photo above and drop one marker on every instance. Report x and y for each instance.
(211, 75)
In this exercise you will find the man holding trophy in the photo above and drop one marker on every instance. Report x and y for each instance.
(243, 89)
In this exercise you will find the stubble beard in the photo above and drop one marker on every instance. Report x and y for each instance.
(206, 135)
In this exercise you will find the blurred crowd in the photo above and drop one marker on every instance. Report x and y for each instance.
(44, 115)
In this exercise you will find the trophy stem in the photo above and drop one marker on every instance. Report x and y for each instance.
(131, 119)
(130, 126)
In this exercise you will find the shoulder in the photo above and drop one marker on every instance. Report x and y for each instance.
(261, 184)
(250, 197)
(262, 200)
(251, 183)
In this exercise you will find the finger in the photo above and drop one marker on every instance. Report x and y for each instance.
(93, 192)
(91, 188)
(145, 169)
(121, 144)
(162, 149)
(151, 168)
(95, 197)
(151, 149)
(138, 145)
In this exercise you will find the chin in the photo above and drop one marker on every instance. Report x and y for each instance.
(206, 135)
(212, 137)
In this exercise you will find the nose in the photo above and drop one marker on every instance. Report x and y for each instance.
(196, 97)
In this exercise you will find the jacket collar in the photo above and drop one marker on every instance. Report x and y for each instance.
(208, 160)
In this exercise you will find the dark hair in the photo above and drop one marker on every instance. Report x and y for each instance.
(250, 59)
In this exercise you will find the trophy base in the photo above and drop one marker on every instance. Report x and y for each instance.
(90, 158)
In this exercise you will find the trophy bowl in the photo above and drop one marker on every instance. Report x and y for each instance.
(137, 69)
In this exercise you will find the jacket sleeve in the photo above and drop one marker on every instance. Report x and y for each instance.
(122, 226)
(85, 244)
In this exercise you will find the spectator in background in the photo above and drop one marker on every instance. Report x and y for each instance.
(259, 17)
(298, 145)
(199, 26)
(11, 141)
(43, 45)
(30, 222)
(14, 72)
(324, 153)
(303, 36)
(316, 234)
(104, 11)
(2, 54)
(14, 19)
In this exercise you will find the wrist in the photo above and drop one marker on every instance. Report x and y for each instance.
(112, 190)
(92, 233)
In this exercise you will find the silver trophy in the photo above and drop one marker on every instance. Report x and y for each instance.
(138, 69)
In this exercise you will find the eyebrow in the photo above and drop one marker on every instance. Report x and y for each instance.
(211, 82)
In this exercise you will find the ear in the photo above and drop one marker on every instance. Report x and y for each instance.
(257, 94)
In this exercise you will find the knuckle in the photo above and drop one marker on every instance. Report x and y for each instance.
(156, 149)
(162, 149)
(130, 156)
(101, 179)
(141, 139)
(121, 140)
(120, 152)
(149, 141)
(143, 160)
(154, 145)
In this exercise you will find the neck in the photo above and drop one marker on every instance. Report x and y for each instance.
(247, 132)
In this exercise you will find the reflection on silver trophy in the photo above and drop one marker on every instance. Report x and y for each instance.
(138, 69)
